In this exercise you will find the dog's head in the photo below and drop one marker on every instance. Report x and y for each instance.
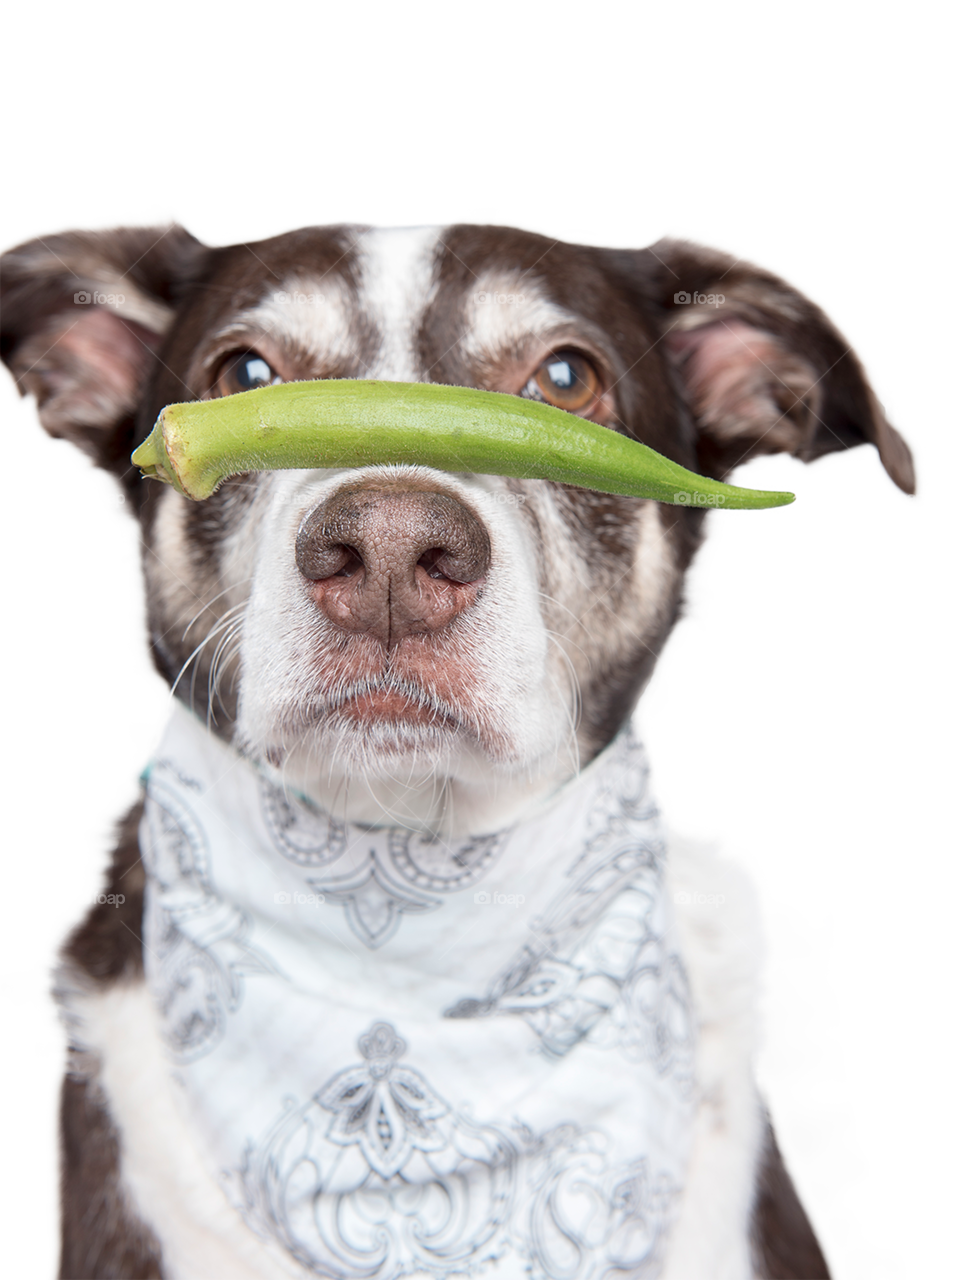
(397, 632)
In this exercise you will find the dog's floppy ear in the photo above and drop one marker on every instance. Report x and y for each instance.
(83, 314)
(764, 369)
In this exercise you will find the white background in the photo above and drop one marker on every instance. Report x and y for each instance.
(803, 716)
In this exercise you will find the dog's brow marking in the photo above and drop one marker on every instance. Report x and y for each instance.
(491, 329)
(317, 324)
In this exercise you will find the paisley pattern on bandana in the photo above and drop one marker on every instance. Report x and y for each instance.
(595, 964)
(376, 1177)
(198, 953)
(399, 877)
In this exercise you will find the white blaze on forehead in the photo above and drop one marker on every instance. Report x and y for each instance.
(396, 285)
(310, 313)
(504, 311)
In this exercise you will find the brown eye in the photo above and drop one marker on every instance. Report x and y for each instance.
(244, 371)
(566, 380)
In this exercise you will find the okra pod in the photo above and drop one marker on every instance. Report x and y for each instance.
(357, 423)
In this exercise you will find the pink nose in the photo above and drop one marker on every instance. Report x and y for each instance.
(393, 562)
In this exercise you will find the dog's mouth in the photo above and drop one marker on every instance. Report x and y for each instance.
(393, 700)
(378, 705)
(386, 717)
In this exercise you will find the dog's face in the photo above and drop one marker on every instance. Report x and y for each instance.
(440, 647)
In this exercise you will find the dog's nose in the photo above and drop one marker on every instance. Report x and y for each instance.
(393, 562)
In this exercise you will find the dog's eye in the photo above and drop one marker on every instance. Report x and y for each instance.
(244, 371)
(566, 380)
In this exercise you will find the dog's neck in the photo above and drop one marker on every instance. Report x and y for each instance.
(449, 804)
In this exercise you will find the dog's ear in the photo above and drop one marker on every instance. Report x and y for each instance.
(764, 369)
(83, 314)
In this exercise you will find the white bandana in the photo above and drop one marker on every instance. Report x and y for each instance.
(404, 1056)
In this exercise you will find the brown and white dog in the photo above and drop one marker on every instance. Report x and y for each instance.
(405, 647)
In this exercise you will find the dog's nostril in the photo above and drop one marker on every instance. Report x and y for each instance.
(352, 561)
(317, 559)
(434, 563)
(461, 565)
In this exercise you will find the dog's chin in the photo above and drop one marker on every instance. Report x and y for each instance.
(379, 734)
(376, 761)
(374, 765)
(390, 749)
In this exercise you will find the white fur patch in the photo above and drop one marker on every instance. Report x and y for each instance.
(505, 311)
(397, 281)
(311, 315)
(716, 918)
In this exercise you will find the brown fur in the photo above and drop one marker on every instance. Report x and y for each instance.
(101, 1236)
(784, 1245)
(107, 945)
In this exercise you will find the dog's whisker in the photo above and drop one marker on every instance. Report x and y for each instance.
(227, 649)
(223, 623)
(208, 604)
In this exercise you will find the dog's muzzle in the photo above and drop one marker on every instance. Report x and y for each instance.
(393, 561)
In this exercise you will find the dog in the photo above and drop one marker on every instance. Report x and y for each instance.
(393, 973)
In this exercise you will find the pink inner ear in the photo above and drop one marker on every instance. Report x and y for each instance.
(108, 350)
(743, 383)
(86, 369)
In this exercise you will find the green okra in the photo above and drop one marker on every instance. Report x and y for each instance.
(356, 423)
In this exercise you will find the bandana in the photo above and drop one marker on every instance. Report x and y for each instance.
(404, 1055)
